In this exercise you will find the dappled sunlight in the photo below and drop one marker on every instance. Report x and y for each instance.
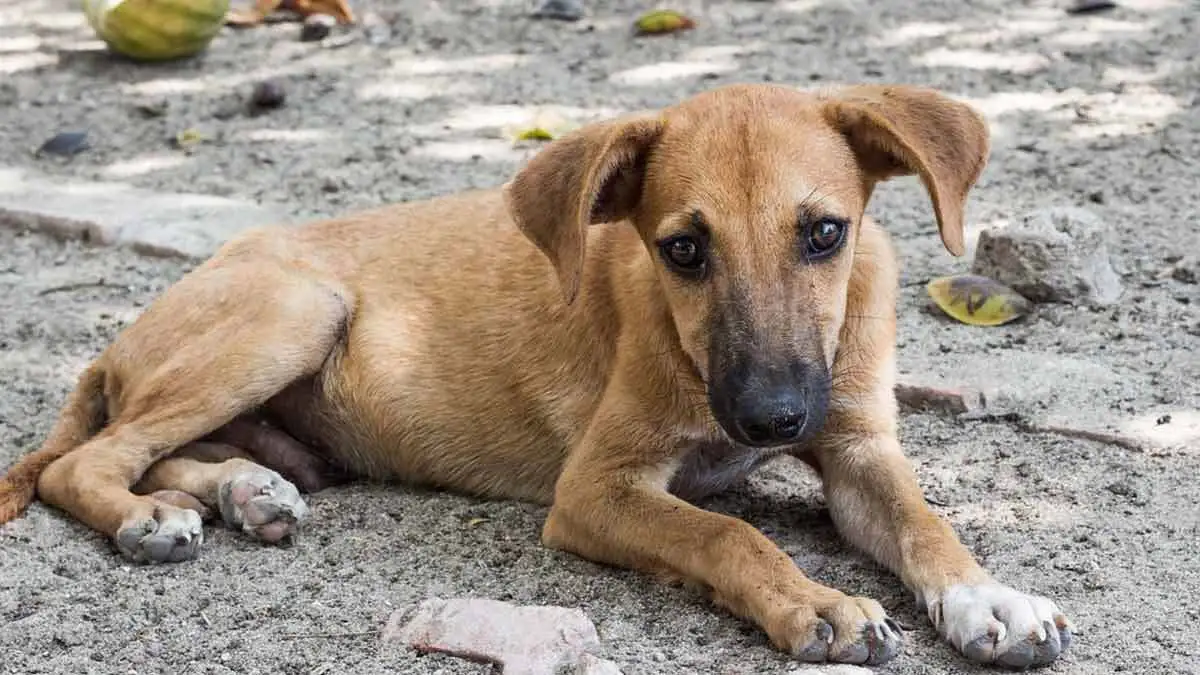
(492, 150)
(413, 90)
(658, 73)
(496, 117)
(1024, 512)
(287, 135)
(1176, 429)
(1096, 30)
(15, 63)
(696, 62)
(19, 43)
(1015, 62)
(1135, 110)
(1153, 5)
(914, 31)
(1006, 102)
(1123, 75)
(800, 6)
(143, 164)
(488, 63)
(53, 20)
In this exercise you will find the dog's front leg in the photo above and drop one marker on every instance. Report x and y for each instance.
(877, 504)
(611, 506)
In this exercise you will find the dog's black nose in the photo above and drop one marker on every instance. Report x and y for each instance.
(772, 420)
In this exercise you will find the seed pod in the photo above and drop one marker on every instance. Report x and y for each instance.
(156, 30)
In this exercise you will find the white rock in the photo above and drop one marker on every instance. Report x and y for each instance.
(1056, 254)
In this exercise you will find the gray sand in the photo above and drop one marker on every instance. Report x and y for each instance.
(1099, 111)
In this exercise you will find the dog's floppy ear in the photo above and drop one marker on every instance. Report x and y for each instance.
(902, 130)
(592, 175)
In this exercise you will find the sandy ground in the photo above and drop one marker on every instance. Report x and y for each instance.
(1098, 110)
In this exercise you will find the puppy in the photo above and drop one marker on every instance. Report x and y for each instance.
(649, 310)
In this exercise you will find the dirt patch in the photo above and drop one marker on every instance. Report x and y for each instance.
(1095, 110)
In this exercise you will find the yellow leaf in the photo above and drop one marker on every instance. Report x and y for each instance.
(188, 139)
(545, 125)
(662, 21)
(475, 521)
(977, 300)
(535, 134)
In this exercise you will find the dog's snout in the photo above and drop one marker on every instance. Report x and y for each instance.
(772, 420)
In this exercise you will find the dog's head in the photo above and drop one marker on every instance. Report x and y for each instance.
(749, 200)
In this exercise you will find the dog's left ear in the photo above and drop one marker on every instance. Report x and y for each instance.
(900, 130)
(592, 175)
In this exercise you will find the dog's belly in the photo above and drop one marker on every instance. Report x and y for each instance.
(712, 468)
(403, 422)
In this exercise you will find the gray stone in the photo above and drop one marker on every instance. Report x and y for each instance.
(522, 640)
(561, 10)
(191, 226)
(1057, 254)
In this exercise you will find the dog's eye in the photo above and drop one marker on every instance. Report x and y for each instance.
(684, 253)
(825, 237)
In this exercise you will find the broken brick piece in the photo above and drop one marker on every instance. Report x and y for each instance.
(914, 397)
(522, 640)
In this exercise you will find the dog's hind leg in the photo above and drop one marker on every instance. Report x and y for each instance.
(279, 451)
(224, 479)
(217, 344)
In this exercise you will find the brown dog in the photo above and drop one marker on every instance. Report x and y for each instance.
(652, 308)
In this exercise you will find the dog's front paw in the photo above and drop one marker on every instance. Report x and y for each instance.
(992, 623)
(848, 630)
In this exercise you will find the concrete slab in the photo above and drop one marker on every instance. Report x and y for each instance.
(180, 225)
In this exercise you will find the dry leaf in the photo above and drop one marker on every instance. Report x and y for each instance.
(977, 300)
(663, 21)
(338, 9)
(476, 521)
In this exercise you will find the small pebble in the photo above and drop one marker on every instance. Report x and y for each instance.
(65, 144)
(268, 95)
(149, 109)
(317, 27)
(559, 10)
(1091, 6)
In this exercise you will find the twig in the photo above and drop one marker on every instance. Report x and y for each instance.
(1084, 434)
(204, 616)
(308, 636)
(78, 286)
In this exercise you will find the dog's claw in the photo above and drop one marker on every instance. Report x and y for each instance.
(879, 639)
(172, 535)
(262, 503)
(817, 650)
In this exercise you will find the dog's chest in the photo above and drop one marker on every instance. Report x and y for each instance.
(712, 468)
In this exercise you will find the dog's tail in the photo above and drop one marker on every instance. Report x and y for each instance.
(82, 416)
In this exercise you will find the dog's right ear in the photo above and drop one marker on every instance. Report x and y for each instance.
(592, 175)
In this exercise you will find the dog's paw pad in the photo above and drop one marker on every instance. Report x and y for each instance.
(993, 623)
(172, 535)
(262, 503)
